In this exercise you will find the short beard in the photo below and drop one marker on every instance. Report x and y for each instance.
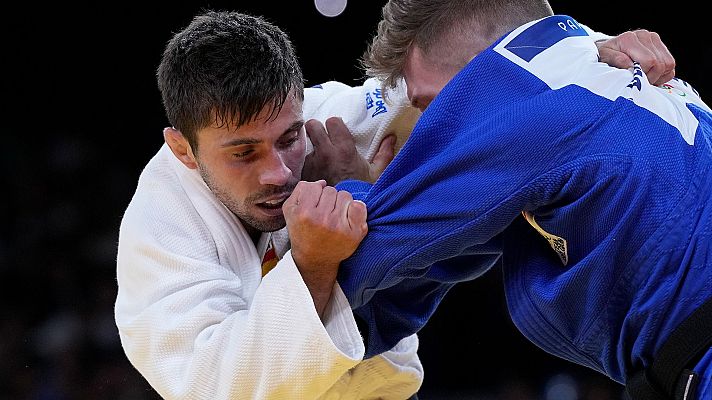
(240, 209)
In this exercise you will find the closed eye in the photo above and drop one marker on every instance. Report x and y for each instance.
(243, 154)
(290, 140)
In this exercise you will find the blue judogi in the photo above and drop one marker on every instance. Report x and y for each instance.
(592, 186)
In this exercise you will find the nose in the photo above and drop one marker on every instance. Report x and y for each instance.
(420, 103)
(275, 171)
(416, 100)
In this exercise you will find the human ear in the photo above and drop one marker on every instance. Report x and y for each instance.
(180, 147)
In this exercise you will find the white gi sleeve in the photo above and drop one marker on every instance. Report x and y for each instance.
(365, 112)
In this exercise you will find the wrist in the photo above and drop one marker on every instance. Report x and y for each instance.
(319, 277)
(321, 287)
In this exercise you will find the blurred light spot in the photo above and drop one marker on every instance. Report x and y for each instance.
(561, 387)
(330, 8)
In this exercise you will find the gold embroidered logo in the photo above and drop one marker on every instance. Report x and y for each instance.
(556, 243)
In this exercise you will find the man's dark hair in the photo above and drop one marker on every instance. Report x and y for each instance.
(224, 68)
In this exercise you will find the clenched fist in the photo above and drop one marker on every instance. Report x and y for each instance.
(325, 227)
(642, 46)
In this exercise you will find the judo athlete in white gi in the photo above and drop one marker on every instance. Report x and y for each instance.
(200, 314)
(212, 303)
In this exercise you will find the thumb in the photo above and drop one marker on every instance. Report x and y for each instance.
(356, 214)
(384, 156)
(616, 58)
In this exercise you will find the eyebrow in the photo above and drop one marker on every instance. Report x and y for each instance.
(296, 125)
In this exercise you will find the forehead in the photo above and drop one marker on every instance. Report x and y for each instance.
(423, 79)
(414, 63)
(419, 70)
(266, 124)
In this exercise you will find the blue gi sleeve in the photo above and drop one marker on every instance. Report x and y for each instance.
(412, 256)
(434, 215)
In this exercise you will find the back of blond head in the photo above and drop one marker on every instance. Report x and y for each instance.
(451, 31)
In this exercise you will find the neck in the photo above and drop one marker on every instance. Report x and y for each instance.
(253, 232)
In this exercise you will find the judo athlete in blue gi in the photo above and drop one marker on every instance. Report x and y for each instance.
(592, 186)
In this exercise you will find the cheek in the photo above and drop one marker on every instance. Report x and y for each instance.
(226, 182)
(236, 178)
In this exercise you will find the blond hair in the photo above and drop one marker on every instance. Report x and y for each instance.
(442, 27)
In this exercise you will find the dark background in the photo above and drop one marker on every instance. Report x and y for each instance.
(83, 115)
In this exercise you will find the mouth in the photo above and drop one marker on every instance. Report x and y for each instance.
(274, 204)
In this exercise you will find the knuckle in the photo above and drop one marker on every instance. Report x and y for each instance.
(314, 187)
(627, 36)
(343, 195)
(670, 63)
(648, 61)
(329, 191)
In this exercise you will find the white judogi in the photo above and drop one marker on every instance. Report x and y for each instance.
(198, 320)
